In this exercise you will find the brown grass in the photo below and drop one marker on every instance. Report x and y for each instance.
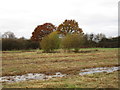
(49, 63)
(98, 80)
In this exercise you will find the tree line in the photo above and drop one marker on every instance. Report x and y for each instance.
(67, 35)
(90, 41)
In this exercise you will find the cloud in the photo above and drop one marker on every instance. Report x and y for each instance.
(22, 16)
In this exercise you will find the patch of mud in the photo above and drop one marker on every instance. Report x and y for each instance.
(30, 76)
(98, 70)
(86, 51)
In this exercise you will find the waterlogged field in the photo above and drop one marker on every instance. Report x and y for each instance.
(23, 62)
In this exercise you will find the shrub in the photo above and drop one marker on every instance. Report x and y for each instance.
(18, 44)
(10, 44)
(50, 42)
(74, 41)
(32, 44)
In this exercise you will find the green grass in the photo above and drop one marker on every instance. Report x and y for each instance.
(68, 63)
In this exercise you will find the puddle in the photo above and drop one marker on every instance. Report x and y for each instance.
(30, 76)
(98, 70)
(37, 76)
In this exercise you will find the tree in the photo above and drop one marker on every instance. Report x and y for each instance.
(91, 37)
(50, 42)
(74, 41)
(109, 42)
(69, 26)
(42, 30)
(9, 35)
(86, 40)
(10, 44)
(99, 37)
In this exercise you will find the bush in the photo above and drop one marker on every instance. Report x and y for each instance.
(32, 44)
(74, 41)
(50, 42)
(9, 44)
(18, 44)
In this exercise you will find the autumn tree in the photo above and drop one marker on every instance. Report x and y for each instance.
(42, 30)
(69, 26)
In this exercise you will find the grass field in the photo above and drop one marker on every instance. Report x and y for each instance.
(23, 62)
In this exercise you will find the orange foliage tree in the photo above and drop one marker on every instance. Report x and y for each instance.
(69, 26)
(42, 30)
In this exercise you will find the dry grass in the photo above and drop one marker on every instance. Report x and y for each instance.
(98, 80)
(49, 63)
(19, 63)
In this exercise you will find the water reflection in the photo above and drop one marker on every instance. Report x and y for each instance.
(99, 69)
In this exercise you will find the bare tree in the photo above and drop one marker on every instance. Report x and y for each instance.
(99, 37)
(8, 35)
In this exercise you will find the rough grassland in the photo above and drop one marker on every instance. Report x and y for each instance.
(98, 80)
(19, 63)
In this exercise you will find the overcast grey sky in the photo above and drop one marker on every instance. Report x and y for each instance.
(93, 16)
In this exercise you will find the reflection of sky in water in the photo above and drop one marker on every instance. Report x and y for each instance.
(29, 76)
(97, 70)
(37, 76)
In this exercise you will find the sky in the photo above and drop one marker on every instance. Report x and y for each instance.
(94, 16)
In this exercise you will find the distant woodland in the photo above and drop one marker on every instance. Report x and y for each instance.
(42, 35)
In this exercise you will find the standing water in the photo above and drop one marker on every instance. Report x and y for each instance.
(30, 76)
(98, 69)
(37, 76)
